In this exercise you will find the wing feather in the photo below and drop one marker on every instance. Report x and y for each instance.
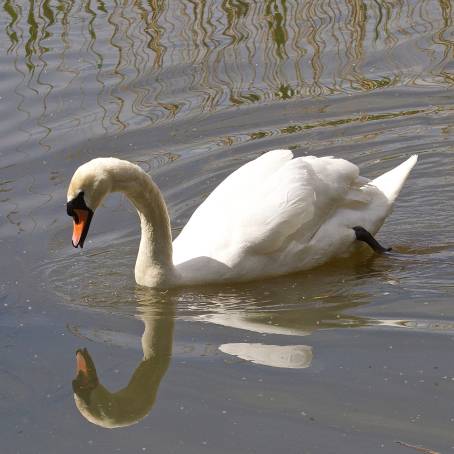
(263, 204)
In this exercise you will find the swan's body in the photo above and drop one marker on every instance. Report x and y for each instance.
(274, 215)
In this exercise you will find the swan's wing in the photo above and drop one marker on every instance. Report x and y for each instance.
(261, 205)
(298, 199)
(209, 228)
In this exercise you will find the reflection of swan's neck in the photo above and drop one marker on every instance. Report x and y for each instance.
(154, 266)
(130, 404)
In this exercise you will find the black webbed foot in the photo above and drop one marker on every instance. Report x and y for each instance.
(363, 235)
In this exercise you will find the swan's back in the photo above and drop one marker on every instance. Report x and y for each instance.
(257, 210)
(277, 215)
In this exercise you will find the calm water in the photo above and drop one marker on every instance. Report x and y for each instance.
(353, 357)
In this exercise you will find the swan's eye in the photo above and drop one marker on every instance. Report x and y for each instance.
(76, 203)
(71, 212)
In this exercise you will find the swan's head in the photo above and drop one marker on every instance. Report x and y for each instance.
(89, 185)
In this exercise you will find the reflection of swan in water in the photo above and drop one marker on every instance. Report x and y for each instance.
(295, 321)
(282, 356)
(279, 322)
(127, 406)
(132, 403)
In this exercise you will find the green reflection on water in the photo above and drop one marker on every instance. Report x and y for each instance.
(103, 67)
(297, 128)
(305, 49)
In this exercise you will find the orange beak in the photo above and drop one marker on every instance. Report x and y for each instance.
(86, 377)
(81, 223)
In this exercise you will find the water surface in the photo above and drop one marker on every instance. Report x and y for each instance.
(348, 358)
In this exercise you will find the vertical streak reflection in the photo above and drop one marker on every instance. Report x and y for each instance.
(107, 65)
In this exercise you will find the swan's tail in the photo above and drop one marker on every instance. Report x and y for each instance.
(390, 183)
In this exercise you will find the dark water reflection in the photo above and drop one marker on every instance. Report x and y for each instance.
(346, 358)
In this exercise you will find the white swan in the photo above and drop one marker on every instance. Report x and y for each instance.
(274, 215)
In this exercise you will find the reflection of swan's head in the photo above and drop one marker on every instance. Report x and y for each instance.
(124, 407)
(130, 404)
(91, 398)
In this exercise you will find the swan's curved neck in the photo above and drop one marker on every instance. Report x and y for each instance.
(154, 265)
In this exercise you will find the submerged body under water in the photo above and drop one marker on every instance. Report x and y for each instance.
(353, 356)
